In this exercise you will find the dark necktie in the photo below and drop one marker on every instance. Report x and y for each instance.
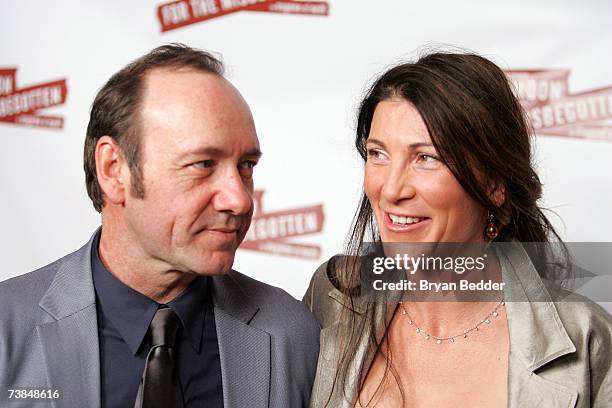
(159, 385)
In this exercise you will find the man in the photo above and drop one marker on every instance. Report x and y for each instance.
(149, 313)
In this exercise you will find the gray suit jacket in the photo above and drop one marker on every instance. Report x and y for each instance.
(560, 351)
(268, 341)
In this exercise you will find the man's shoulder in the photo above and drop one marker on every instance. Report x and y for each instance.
(20, 295)
(273, 299)
(24, 288)
(277, 308)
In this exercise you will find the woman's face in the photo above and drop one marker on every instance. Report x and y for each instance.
(414, 195)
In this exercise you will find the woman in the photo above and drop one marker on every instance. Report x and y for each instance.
(448, 159)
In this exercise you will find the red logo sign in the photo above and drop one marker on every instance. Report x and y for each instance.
(269, 231)
(21, 106)
(553, 110)
(181, 13)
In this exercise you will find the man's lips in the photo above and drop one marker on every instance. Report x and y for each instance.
(221, 234)
(226, 230)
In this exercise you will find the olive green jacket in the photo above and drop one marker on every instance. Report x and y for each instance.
(560, 352)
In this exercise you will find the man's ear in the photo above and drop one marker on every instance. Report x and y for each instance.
(498, 194)
(112, 170)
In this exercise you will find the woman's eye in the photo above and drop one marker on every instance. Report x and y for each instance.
(428, 161)
(374, 154)
(427, 158)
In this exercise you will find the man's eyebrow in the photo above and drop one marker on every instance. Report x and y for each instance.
(211, 151)
(254, 153)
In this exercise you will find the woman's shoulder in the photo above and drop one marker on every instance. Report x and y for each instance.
(589, 326)
(322, 297)
(584, 318)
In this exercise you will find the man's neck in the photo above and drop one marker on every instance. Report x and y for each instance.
(131, 265)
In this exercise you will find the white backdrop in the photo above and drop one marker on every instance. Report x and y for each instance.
(303, 76)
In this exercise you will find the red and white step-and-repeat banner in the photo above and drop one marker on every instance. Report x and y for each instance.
(302, 66)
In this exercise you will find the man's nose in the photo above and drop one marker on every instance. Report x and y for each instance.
(234, 195)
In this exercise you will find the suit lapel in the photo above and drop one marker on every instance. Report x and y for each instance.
(71, 351)
(528, 389)
(70, 342)
(537, 335)
(329, 355)
(346, 396)
(244, 350)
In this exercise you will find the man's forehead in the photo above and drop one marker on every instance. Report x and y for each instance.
(190, 91)
(186, 91)
(192, 112)
(182, 81)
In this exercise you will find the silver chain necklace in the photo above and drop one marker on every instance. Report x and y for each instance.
(439, 340)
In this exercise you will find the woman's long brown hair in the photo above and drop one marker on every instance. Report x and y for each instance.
(481, 133)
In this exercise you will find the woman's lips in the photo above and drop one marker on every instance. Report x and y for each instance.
(398, 227)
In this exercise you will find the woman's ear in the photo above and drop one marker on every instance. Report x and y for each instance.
(498, 194)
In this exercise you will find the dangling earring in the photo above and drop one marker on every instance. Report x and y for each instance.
(492, 231)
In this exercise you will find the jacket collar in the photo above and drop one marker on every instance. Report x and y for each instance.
(244, 349)
(537, 334)
(72, 289)
(358, 305)
(70, 341)
(71, 346)
(231, 298)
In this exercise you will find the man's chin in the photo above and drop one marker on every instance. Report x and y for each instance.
(218, 264)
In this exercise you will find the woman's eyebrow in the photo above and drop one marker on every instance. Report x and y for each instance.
(420, 144)
(411, 145)
(376, 142)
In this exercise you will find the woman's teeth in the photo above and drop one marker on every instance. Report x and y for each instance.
(401, 220)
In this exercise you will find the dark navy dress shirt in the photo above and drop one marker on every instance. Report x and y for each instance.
(123, 320)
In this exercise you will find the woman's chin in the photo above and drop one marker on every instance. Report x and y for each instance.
(407, 237)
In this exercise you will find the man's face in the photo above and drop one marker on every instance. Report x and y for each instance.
(198, 150)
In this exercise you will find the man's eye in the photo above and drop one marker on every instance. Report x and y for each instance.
(248, 164)
(246, 169)
(204, 164)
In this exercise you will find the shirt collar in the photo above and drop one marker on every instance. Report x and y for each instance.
(131, 312)
(192, 307)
